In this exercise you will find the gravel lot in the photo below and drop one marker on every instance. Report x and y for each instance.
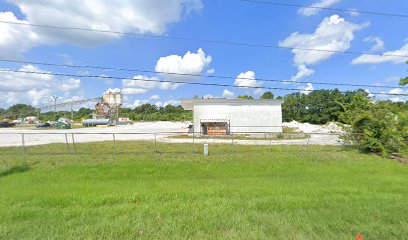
(146, 131)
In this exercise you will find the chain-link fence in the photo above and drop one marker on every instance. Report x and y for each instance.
(76, 143)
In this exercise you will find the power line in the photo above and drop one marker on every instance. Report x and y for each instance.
(193, 75)
(326, 8)
(177, 82)
(242, 44)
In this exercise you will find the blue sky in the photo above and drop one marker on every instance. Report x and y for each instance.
(228, 20)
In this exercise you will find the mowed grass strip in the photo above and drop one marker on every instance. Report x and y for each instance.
(238, 192)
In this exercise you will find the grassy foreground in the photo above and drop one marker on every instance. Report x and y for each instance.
(239, 192)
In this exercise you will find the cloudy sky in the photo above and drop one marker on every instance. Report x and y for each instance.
(228, 20)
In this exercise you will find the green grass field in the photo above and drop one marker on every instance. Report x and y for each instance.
(239, 192)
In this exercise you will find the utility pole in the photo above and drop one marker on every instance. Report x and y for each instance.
(38, 110)
(72, 112)
(55, 105)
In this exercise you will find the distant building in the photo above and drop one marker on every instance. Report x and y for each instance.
(217, 116)
(30, 120)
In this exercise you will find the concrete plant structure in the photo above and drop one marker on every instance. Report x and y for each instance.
(218, 116)
(108, 107)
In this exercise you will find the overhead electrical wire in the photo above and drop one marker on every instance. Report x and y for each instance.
(242, 44)
(177, 82)
(326, 8)
(194, 75)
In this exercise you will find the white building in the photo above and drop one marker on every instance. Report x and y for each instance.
(219, 116)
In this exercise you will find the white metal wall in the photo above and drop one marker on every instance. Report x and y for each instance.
(254, 117)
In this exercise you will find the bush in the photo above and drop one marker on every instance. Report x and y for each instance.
(382, 129)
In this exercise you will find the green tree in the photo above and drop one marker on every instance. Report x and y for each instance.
(172, 109)
(267, 95)
(20, 111)
(146, 109)
(382, 128)
(245, 97)
(318, 107)
(404, 81)
(294, 107)
(2, 113)
(148, 112)
(83, 113)
(358, 104)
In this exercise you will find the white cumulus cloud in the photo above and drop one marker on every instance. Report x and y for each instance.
(138, 103)
(160, 104)
(393, 79)
(247, 79)
(378, 43)
(227, 94)
(34, 89)
(208, 96)
(303, 71)
(308, 89)
(142, 16)
(14, 39)
(395, 98)
(139, 85)
(154, 97)
(191, 63)
(385, 57)
(370, 95)
(69, 85)
(313, 9)
(334, 34)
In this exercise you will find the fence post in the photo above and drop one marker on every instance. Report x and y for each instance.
(194, 148)
(232, 142)
(66, 141)
(206, 150)
(114, 145)
(270, 141)
(308, 140)
(73, 142)
(155, 142)
(23, 142)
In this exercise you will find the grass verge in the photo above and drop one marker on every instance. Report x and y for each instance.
(238, 192)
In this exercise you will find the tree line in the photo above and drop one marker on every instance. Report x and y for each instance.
(318, 107)
(145, 112)
(371, 125)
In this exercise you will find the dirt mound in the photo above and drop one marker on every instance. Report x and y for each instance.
(312, 128)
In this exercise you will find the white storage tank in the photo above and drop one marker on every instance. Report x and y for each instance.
(113, 98)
